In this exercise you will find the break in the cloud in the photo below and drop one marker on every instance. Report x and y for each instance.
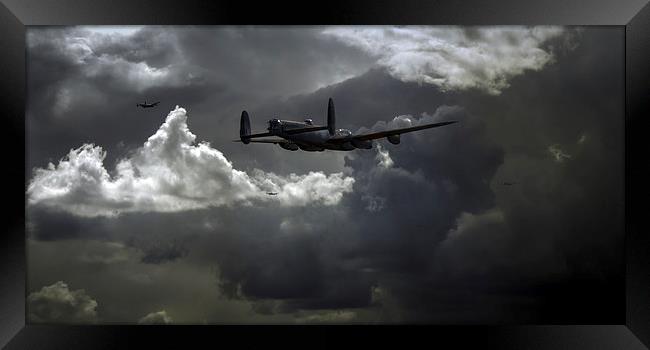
(57, 303)
(170, 173)
(454, 58)
(159, 317)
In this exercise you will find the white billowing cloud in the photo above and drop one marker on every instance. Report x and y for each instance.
(170, 173)
(159, 317)
(57, 303)
(301, 190)
(558, 154)
(453, 58)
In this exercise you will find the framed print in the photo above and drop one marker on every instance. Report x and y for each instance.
(468, 173)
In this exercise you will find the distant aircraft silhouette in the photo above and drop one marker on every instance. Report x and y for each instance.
(505, 183)
(147, 105)
(272, 193)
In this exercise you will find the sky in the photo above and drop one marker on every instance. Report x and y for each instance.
(139, 216)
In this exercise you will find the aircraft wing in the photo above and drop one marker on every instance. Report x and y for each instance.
(258, 135)
(289, 132)
(302, 130)
(381, 134)
(276, 141)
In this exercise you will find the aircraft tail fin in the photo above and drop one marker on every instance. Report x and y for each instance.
(245, 128)
(331, 117)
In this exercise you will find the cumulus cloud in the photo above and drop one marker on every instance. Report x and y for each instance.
(57, 303)
(171, 173)
(454, 58)
(159, 317)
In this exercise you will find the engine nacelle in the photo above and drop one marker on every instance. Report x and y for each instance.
(289, 146)
(362, 144)
(394, 139)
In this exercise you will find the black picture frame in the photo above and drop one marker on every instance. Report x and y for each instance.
(634, 15)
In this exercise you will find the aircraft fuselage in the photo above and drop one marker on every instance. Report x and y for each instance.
(314, 141)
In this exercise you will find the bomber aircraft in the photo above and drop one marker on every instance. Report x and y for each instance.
(147, 105)
(294, 135)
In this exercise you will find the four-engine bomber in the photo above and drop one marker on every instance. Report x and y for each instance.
(294, 135)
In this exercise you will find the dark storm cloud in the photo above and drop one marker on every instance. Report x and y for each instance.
(309, 261)
(548, 239)
(554, 227)
(428, 233)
